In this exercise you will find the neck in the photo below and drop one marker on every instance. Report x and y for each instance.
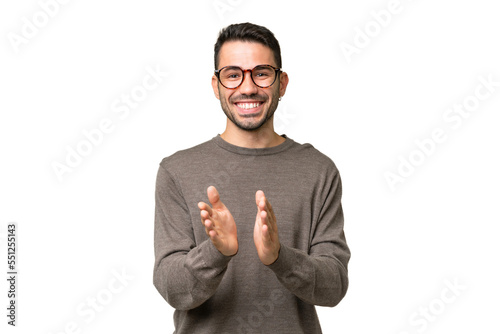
(260, 138)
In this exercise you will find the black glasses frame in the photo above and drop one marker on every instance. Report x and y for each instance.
(276, 72)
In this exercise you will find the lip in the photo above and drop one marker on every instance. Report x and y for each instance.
(249, 111)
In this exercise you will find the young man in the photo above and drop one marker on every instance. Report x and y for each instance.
(268, 244)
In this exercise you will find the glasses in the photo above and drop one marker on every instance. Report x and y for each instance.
(232, 77)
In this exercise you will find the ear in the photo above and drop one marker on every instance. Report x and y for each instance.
(283, 83)
(215, 86)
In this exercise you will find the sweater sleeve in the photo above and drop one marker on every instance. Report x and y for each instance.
(319, 277)
(185, 274)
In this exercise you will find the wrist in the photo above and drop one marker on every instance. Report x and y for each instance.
(276, 257)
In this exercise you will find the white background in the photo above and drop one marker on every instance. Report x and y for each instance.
(438, 227)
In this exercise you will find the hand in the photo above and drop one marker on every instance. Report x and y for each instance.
(265, 233)
(219, 223)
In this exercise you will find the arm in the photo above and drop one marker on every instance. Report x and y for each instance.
(318, 277)
(185, 274)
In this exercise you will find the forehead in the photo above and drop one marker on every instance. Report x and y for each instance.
(245, 54)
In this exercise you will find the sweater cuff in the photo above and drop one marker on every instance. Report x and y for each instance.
(284, 262)
(212, 257)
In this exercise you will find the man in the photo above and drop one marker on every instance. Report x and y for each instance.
(268, 244)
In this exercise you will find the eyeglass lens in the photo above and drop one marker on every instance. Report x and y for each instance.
(263, 76)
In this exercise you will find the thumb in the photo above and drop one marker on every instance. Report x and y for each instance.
(214, 198)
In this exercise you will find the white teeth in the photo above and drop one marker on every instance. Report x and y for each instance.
(248, 105)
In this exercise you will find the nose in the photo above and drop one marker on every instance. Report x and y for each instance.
(247, 86)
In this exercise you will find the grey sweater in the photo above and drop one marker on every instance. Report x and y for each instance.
(213, 293)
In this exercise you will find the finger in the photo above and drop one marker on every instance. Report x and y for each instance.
(201, 213)
(266, 235)
(265, 206)
(264, 221)
(214, 198)
(261, 197)
(209, 225)
(262, 201)
(258, 196)
(272, 219)
(263, 218)
(262, 204)
(209, 228)
(269, 207)
(269, 222)
(206, 207)
(204, 214)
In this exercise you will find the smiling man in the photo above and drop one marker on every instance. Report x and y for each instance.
(249, 225)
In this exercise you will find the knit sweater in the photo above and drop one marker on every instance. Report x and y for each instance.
(218, 294)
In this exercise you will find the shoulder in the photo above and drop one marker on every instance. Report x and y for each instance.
(314, 159)
(185, 158)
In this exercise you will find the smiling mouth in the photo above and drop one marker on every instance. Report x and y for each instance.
(249, 107)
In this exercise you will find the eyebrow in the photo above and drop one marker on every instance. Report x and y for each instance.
(238, 67)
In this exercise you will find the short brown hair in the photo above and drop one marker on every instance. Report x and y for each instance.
(247, 32)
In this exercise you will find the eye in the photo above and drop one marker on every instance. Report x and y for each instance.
(261, 74)
(231, 73)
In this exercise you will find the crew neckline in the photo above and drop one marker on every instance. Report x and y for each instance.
(252, 151)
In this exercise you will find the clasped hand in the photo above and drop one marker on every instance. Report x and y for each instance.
(221, 228)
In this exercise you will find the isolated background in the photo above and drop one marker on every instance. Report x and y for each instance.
(439, 226)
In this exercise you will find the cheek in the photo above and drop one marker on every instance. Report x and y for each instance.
(222, 96)
(227, 96)
(276, 94)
